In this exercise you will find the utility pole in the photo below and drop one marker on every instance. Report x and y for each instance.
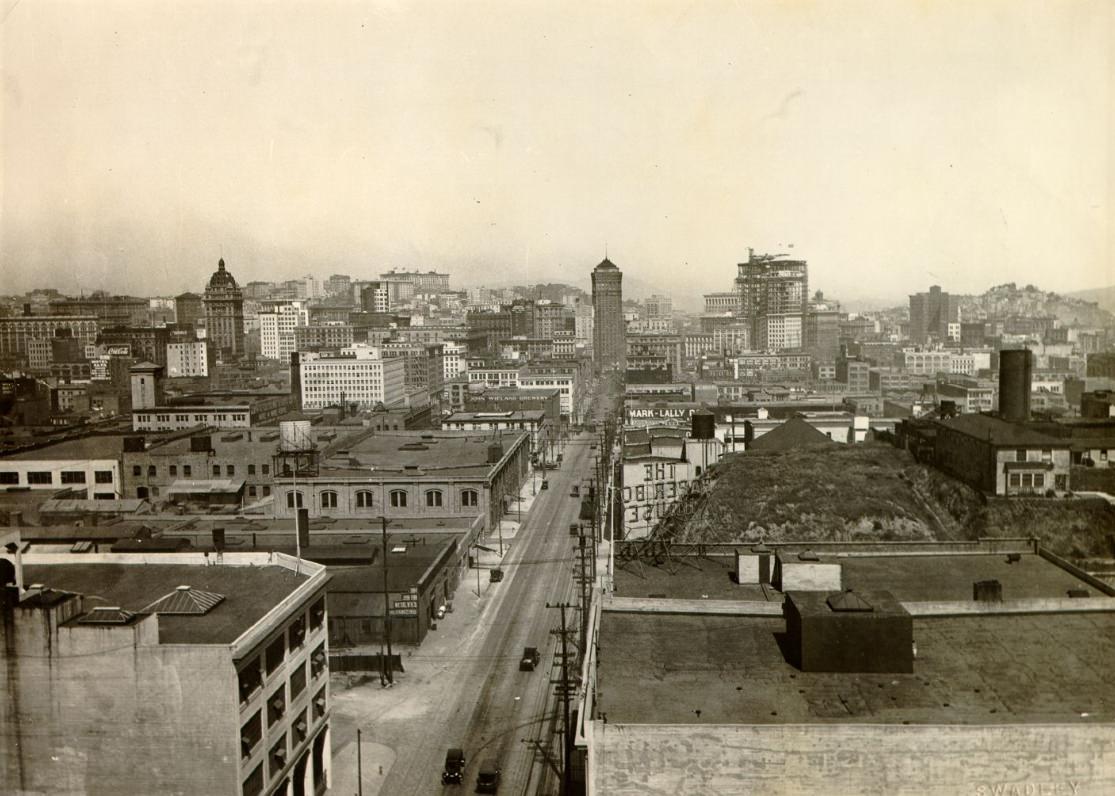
(359, 767)
(564, 689)
(583, 580)
(387, 675)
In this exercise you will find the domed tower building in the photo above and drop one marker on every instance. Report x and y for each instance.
(224, 314)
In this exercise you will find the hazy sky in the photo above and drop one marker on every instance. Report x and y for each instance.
(895, 144)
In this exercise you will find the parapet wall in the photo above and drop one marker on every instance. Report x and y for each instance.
(927, 760)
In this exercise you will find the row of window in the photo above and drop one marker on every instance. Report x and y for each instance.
(187, 470)
(396, 497)
(1046, 456)
(251, 734)
(1036, 481)
(36, 477)
(253, 674)
(146, 418)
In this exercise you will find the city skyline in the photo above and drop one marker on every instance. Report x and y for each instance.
(144, 144)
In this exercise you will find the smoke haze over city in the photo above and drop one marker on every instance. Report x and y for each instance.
(895, 145)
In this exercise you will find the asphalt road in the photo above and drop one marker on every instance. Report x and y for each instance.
(477, 698)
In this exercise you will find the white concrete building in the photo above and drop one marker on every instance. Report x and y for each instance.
(89, 464)
(455, 361)
(277, 322)
(358, 375)
(187, 359)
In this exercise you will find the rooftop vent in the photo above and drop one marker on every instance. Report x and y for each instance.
(987, 591)
(185, 601)
(847, 601)
(107, 615)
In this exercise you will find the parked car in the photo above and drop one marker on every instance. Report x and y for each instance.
(575, 491)
(574, 529)
(487, 781)
(495, 576)
(545, 484)
(529, 660)
(454, 766)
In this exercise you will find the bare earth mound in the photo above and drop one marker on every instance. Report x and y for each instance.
(877, 492)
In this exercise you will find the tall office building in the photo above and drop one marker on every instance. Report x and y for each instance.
(931, 313)
(773, 299)
(224, 314)
(188, 309)
(609, 343)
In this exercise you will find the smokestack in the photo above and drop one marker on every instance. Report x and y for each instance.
(1015, 368)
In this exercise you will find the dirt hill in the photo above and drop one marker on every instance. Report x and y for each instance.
(877, 492)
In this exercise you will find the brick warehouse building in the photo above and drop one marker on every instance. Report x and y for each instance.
(210, 670)
(408, 475)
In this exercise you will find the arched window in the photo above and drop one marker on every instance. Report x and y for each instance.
(329, 500)
(151, 471)
(433, 498)
(363, 499)
(294, 500)
(469, 497)
(398, 499)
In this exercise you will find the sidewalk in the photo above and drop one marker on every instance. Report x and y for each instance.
(359, 700)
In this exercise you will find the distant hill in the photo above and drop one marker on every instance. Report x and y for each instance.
(1103, 296)
(1029, 301)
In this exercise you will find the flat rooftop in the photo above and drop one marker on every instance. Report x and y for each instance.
(249, 592)
(910, 578)
(1048, 668)
(100, 446)
(440, 453)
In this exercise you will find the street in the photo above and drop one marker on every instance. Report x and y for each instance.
(462, 687)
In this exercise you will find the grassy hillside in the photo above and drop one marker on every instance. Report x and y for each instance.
(877, 492)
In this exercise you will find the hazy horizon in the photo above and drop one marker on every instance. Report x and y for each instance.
(895, 145)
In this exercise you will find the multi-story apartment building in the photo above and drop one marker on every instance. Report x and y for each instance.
(722, 303)
(108, 310)
(277, 322)
(931, 315)
(87, 466)
(422, 281)
(668, 346)
(224, 314)
(146, 342)
(326, 336)
(971, 396)
(748, 365)
(359, 375)
(18, 331)
(774, 298)
(551, 318)
(188, 359)
(455, 360)
(230, 410)
(505, 374)
(929, 363)
(855, 373)
(423, 365)
(412, 475)
(609, 344)
(822, 334)
(222, 659)
(188, 310)
(658, 307)
(339, 285)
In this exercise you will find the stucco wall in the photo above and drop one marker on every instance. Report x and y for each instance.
(107, 711)
(1029, 760)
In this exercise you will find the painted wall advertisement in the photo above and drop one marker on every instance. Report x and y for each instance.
(649, 490)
